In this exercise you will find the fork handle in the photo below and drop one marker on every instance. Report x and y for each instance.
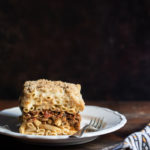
(80, 132)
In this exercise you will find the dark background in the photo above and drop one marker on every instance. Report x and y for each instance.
(102, 44)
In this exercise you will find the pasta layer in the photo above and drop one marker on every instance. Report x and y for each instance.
(49, 122)
(54, 95)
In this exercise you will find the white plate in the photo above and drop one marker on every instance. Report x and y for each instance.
(112, 119)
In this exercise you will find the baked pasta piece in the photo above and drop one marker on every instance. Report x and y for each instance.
(50, 108)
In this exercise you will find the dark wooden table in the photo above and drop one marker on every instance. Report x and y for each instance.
(137, 113)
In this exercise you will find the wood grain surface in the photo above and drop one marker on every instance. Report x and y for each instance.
(137, 113)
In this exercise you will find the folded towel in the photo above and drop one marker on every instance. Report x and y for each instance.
(137, 141)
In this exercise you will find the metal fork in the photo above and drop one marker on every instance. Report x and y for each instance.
(95, 124)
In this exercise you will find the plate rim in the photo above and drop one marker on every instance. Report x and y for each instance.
(122, 122)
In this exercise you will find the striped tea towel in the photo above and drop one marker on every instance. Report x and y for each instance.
(137, 141)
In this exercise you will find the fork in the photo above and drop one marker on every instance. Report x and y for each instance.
(94, 124)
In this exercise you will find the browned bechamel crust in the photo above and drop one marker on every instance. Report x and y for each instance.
(49, 93)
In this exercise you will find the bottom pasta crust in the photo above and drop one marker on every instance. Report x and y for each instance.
(49, 122)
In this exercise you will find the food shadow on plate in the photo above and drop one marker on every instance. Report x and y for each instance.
(9, 122)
